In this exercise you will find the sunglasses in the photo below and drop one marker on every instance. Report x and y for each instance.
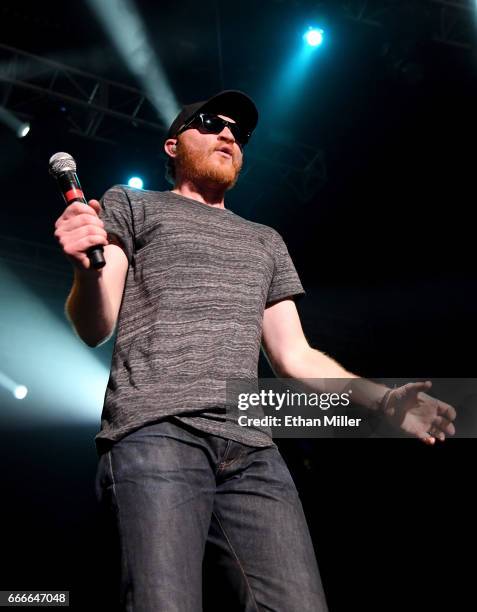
(213, 124)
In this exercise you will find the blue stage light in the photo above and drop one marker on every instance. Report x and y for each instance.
(314, 36)
(20, 392)
(136, 182)
(23, 130)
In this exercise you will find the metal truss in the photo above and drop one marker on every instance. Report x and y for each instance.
(457, 24)
(28, 78)
(453, 22)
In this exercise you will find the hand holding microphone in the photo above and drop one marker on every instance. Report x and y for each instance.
(79, 230)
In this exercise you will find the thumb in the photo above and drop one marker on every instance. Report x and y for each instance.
(95, 205)
(419, 386)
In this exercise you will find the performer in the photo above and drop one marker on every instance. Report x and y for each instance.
(195, 289)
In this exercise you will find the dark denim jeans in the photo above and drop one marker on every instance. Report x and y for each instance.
(171, 490)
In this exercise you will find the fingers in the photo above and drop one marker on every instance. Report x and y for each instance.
(435, 417)
(76, 215)
(427, 438)
(79, 209)
(73, 232)
(437, 434)
(78, 229)
(82, 243)
(446, 410)
(82, 219)
(440, 428)
(443, 425)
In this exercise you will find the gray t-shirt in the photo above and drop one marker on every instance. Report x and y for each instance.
(198, 281)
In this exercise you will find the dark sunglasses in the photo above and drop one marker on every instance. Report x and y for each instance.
(213, 124)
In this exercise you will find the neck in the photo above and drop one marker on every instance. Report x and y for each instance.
(209, 194)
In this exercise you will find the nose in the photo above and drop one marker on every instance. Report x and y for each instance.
(226, 135)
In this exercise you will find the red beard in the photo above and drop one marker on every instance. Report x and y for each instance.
(207, 166)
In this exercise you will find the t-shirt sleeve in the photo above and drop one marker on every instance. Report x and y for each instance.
(117, 216)
(285, 282)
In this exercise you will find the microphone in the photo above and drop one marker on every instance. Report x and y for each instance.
(62, 167)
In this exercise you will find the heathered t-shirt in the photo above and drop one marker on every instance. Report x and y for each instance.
(198, 281)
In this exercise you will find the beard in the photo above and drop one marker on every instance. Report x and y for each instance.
(207, 167)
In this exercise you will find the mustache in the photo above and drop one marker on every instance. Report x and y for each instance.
(225, 149)
(235, 157)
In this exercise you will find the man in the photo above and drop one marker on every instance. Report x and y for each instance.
(195, 290)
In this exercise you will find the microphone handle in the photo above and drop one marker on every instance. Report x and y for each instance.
(71, 191)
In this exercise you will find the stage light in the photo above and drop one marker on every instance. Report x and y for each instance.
(302, 63)
(136, 182)
(128, 31)
(313, 36)
(20, 392)
(63, 378)
(23, 130)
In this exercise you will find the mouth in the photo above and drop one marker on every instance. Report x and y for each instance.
(225, 152)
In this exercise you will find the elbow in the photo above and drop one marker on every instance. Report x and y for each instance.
(288, 369)
(92, 335)
(93, 340)
(93, 343)
(90, 341)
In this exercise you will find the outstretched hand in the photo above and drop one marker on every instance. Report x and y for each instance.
(419, 414)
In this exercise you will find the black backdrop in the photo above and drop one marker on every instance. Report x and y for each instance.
(385, 251)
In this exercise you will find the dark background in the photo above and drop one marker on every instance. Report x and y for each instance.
(382, 237)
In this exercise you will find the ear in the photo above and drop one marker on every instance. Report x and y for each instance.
(170, 147)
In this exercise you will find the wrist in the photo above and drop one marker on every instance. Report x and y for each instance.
(385, 405)
(87, 276)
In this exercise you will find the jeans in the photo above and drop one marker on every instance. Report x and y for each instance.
(171, 490)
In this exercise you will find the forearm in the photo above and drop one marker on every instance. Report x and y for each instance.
(89, 307)
(323, 374)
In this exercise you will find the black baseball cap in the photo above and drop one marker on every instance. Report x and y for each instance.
(231, 103)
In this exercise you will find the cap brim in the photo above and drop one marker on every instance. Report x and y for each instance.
(230, 103)
(234, 104)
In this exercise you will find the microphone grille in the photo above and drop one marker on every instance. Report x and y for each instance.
(61, 162)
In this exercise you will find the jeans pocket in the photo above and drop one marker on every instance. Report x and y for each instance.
(103, 476)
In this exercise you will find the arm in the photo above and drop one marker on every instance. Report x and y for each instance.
(288, 350)
(95, 298)
(291, 356)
